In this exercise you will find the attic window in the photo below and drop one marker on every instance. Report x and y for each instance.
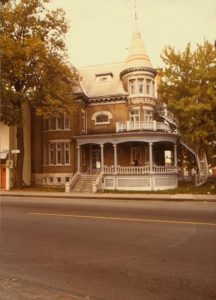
(103, 77)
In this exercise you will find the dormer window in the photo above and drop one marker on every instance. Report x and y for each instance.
(102, 117)
(104, 77)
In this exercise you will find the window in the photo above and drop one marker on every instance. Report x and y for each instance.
(148, 115)
(58, 180)
(83, 120)
(168, 157)
(51, 154)
(106, 77)
(135, 155)
(56, 153)
(140, 86)
(153, 88)
(131, 86)
(67, 153)
(102, 117)
(148, 85)
(135, 116)
(61, 122)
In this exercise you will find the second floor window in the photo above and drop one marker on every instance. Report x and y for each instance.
(61, 122)
(135, 116)
(83, 120)
(148, 115)
(102, 117)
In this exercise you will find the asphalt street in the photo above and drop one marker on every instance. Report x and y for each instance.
(107, 249)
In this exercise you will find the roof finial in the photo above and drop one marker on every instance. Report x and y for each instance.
(136, 19)
(135, 8)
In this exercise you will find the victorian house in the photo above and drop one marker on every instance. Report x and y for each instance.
(120, 136)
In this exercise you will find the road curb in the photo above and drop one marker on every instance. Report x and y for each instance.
(128, 197)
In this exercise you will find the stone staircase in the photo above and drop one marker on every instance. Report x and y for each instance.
(84, 183)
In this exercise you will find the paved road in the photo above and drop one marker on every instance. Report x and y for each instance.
(107, 250)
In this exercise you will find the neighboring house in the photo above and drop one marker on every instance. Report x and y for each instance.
(8, 152)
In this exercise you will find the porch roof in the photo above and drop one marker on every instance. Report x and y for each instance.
(117, 138)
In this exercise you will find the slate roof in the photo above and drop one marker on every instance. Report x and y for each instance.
(93, 87)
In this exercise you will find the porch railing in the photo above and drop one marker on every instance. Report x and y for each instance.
(124, 170)
(141, 125)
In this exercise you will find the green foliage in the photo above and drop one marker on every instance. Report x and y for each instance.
(34, 61)
(189, 88)
(35, 67)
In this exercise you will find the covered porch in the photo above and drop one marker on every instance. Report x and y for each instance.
(138, 162)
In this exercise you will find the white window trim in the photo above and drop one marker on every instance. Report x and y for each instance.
(84, 112)
(63, 150)
(98, 113)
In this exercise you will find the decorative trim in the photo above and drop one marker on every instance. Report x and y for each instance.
(108, 98)
(134, 69)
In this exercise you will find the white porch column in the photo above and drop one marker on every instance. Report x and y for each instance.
(115, 158)
(78, 159)
(102, 157)
(150, 157)
(175, 155)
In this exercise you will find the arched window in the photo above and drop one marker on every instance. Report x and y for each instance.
(102, 117)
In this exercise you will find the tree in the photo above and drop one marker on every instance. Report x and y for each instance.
(188, 86)
(34, 69)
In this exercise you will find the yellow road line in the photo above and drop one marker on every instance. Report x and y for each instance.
(122, 219)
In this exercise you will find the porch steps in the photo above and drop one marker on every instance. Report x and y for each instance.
(84, 183)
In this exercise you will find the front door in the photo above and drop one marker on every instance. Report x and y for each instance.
(95, 157)
(3, 177)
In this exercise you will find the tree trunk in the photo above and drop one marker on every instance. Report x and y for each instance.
(20, 158)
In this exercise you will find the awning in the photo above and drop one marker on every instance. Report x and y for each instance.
(3, 155)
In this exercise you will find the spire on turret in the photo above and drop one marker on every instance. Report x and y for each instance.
(137, 55)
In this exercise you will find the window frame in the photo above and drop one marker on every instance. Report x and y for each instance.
(101, 113)
(58, 123)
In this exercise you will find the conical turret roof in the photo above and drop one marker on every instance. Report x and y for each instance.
(137, 55)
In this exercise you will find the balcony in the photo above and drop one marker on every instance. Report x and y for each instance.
(142, 125)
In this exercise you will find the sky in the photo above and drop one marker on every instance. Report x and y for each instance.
(101, 30)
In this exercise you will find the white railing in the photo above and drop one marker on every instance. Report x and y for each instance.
(165, 169)
(139, 169)
(142, 125)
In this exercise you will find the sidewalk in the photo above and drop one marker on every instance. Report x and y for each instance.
(112, 196)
